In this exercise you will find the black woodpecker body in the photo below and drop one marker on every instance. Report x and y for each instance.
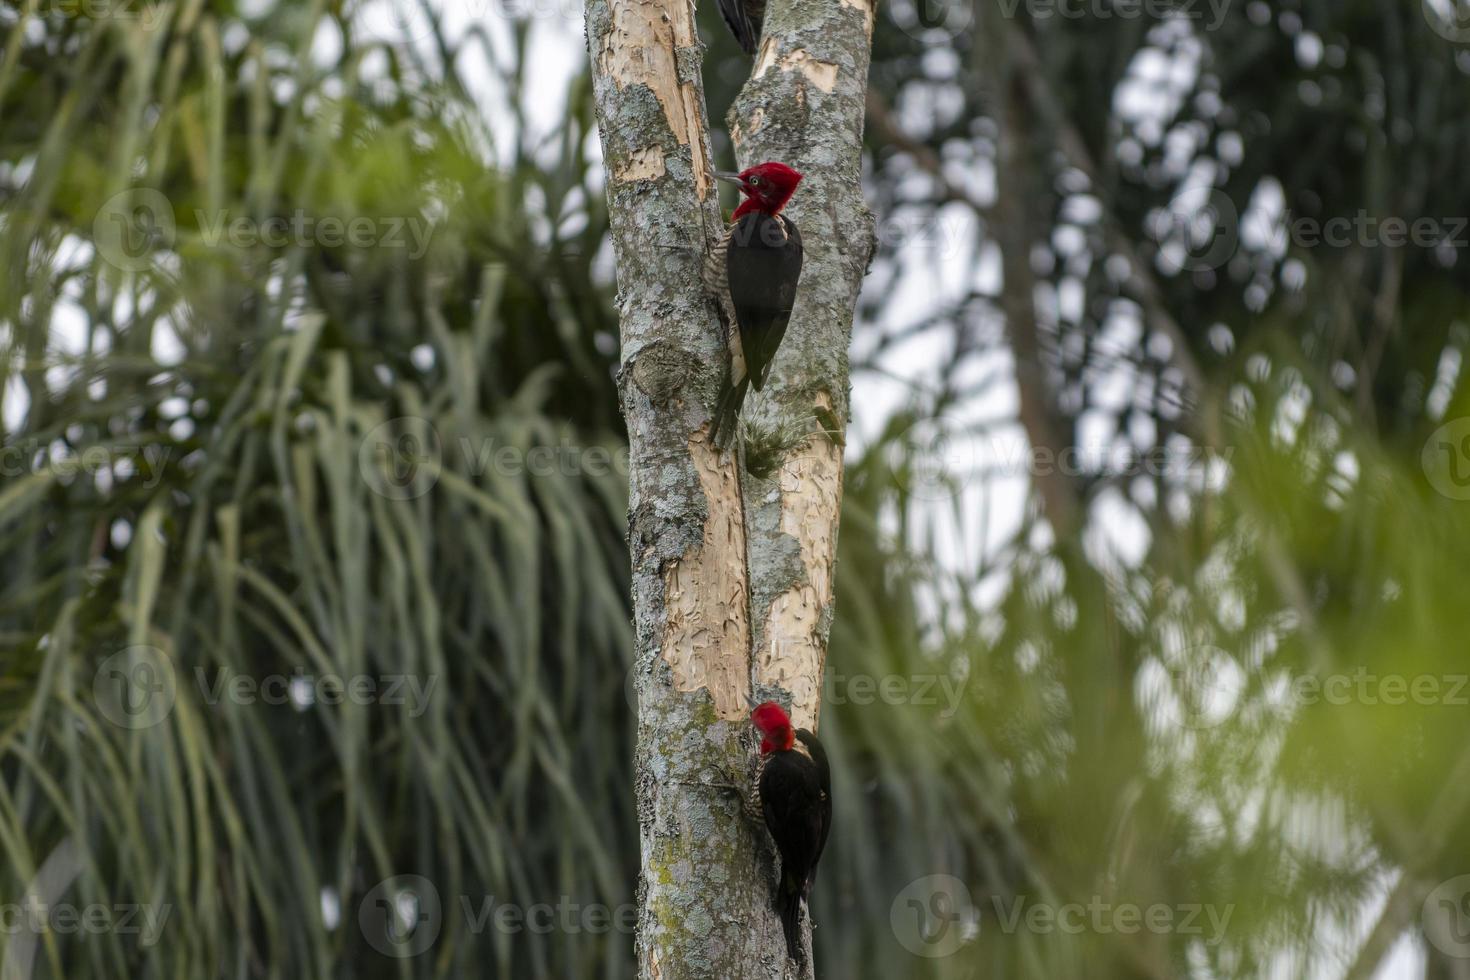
(793, 792)
(744, 18)
(754, 270)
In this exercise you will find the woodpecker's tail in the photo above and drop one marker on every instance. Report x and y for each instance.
(789, 905)
(727, 413)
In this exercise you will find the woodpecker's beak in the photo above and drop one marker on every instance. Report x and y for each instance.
(751, 701)
(731, 178)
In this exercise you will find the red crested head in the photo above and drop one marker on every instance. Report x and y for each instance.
(766, 186)
(777, 735)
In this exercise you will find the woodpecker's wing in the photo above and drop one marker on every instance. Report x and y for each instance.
(739, 22)
(762, 267)
(798, 811)
(824, 779)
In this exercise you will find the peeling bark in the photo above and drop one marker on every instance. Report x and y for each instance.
(705, 595)
(794, 630)
(715, 551)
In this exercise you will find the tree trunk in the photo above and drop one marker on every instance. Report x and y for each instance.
(707, 875)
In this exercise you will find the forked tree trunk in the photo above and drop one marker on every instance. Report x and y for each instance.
(715, 550)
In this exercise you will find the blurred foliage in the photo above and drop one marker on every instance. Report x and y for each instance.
(315, 456)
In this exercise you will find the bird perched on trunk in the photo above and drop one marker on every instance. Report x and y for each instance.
(793, 794)
(744, 18)
(754, 271)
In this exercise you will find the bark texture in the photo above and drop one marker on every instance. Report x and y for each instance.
(700, 546)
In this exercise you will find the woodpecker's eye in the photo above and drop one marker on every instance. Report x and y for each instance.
(755, 182)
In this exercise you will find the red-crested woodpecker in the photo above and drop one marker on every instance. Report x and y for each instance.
(754, 271)
(793, 794)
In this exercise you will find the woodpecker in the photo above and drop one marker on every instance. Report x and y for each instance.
(793, 793)
(744, 18)
(754, 271)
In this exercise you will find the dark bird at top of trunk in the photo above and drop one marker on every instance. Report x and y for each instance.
(744, 18)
